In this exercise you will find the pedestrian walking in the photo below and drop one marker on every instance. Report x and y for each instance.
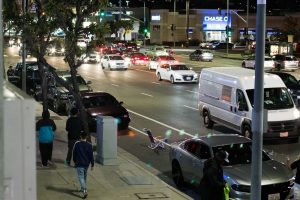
(293, 166)
(83, 157)
(74, 126)
(10, 72)
(212, 183)
(46, 128)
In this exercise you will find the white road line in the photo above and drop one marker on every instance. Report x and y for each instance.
(190, 107)
(163, 124)
(115, 85)
(142, 70)
(137, 130)
(149, 95)
(89, 77)
(156, 83)
(191, 91)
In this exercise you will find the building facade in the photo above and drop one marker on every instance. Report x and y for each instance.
(208, 25)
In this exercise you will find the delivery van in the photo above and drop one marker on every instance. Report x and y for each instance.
(226, 97)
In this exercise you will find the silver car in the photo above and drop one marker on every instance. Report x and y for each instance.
(188, 157)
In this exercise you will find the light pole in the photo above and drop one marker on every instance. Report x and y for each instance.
(145, 23)
(227, 29)
(174, 23)
(1, 108)
(187, 5)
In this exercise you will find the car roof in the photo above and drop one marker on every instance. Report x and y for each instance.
(94, 94)
(223, 139)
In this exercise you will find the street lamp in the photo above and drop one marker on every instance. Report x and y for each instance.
(187, 5)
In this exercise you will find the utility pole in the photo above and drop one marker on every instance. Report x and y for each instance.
(2, 70)
(145, 23)
(24, 53)
(227, 29)
(120, 9)
(257, 116)
(174, 27)
(187, 5)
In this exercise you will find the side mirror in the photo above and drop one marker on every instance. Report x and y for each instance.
(121, 102)
(89, 82)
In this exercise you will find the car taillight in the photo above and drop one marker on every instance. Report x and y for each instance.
(146, 58)
(163, 62)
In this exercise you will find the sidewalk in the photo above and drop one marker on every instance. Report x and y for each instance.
(127, 180)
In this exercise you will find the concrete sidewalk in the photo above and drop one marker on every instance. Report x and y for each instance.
(127, 180)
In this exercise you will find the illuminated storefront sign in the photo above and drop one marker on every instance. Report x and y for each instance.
(215, 18)
(215, 23)
(155, 17)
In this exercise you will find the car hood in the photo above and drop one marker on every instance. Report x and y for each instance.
(272, 172)
(115, 111)
(184, 72)
(281, 115)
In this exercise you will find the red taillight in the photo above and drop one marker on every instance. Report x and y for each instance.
(146, 58)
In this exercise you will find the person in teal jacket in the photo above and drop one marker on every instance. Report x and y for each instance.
(46, 128)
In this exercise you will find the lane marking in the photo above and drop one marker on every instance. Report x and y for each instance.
(142, 132)
(142, 70)
(181, 132)
(191, 91)
(149, 95)
(190, 107)
(115, 85)
(155, 83)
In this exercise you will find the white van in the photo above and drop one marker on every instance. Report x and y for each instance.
(226, 96)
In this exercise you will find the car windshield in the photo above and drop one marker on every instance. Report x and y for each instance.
(159, 49)
(99, 101)
(290, 58)
(179, 67)
(116, 58)
(268, 58)
(239, 153)
(274, 98)
(79, 79)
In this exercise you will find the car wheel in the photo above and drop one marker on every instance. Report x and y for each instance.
(158, 76)
(278, 67)
(109, 67)
(177, 174)
(102, 65)
(243, 65)
(172, 80)
(56, 105)
(246, 131)
(208, 123)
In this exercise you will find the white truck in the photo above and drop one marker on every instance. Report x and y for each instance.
(226, 97)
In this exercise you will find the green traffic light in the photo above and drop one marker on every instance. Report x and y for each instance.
(102, 14)
(145, 30)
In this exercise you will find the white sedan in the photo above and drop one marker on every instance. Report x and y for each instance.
(159, 60)
(113, 61)
(176, 73)
(250, 63)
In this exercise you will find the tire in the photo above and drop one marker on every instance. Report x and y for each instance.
(172, 80)
(243, 65)
(56, 105)
(208, 123)
(246, 131)
(177, 174)
(158, 76)
(102, 65)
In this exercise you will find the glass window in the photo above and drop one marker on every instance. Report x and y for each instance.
(179, 67)
(99, 101)
(226, 93)
(203, 152)
(241, 100)
(191, 147)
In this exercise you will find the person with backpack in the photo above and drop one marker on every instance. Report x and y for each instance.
(212, 183)
(46, 128)
(74, 126)
(83, 157)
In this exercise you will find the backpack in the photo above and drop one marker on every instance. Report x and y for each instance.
(46, 134)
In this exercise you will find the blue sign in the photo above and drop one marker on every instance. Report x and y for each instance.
(215, 19)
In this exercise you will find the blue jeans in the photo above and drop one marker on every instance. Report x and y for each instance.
(82, 173)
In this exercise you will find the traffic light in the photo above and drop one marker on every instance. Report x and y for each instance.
(102, 13)
(145, 30)
(228, 30)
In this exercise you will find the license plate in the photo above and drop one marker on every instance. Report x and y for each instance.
(188, 78)
(275, 196)
(284, 134)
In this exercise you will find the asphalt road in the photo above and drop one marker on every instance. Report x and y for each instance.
(169, 110)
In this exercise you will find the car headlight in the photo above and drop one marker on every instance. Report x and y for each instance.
(126, 115)
(291, 182)
(195, 75)
(52, 50)
(296, 113)
(63, 50)
(241, 188)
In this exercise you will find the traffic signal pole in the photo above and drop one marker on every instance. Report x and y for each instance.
(2, 70)
(257, 116)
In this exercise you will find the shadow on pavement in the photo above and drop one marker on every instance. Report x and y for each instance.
(71, 192)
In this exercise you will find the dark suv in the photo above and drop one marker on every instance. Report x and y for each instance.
(33, 79)
(59, 97)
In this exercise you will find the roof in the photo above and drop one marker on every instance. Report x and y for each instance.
(94, 94)
(223, 139)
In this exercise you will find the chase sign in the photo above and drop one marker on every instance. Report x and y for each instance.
(215, 19)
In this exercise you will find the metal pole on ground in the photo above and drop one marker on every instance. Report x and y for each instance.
(1, 108)
(257, 115)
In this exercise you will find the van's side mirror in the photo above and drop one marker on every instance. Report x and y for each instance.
(89, 82)
(242, 106)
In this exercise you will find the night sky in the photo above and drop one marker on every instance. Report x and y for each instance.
(291, 5)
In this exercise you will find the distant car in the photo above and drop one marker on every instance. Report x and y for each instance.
(102, 103)
(203, 55)
(56, 51)
(131, 47)
(156, 51)
(176, 73)
(159, 60)
(209, 44)
(91, 58)
(250, 63)
(288, 62)
(292, 84)
(187, 161)
(223, 45)
(137, 58)
(169, 50)
(112, 61)
(28, 52)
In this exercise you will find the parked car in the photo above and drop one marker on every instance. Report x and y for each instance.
(112, 61)
(28, 52)
(59, 97)
(159, 60)
(169, 50)
(136, 58)
(287, 62)
(203, 55)
(250, 63)
(176, 73)
(292, 84)
(223, 45)
(156, 51)
(102, 103)
(209, 44)
(187, 160)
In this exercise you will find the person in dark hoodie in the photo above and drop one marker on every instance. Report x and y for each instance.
(74, 126)
(46, 128)
(212, 183)
(83, 157)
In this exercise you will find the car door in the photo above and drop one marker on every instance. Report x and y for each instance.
(164, 71)
(105, 61)
(201, 155)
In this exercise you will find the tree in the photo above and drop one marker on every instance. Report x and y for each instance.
(291, 26)
(10, 15)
